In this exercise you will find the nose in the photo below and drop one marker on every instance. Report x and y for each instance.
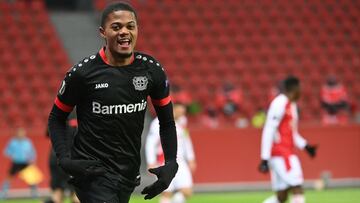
(123, 31)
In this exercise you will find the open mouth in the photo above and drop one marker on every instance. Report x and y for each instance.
(124, 43)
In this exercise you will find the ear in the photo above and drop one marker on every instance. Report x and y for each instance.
(102, 32)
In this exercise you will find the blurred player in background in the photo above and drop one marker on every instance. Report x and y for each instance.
(110, 91)
(58, 178)
(279, 138)
(180, 188)
(21, 152)
(335, 101)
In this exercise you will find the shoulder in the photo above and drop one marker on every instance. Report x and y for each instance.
(279, 102)
(148, 61)
(12, 142)
(28, 140)
(84, 65)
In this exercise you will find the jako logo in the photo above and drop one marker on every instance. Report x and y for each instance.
(101, 85)
(118, 109)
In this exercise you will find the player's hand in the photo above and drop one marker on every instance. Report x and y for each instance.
(165, 174)
(311, 150)
(264, 166)
(81, 167)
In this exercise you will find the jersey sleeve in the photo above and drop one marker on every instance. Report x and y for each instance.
(159, 94)
(299, 141)
(274, 117)
(189, 149)
(70, 91)
(152, 141)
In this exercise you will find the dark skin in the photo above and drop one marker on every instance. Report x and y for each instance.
(283, 194)
(120, 32)
(294, 94)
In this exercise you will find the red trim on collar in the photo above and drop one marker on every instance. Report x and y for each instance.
(132, 58)
(103, 55)
(105, 59)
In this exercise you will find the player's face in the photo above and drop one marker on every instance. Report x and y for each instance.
(20, 133)
(120, 33)
(297, 93)
(179, 110)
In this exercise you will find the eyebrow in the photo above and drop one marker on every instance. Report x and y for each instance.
(130, 22)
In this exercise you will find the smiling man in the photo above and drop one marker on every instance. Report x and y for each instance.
(110, 90)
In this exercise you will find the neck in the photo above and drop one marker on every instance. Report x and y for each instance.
(117, 60)
(289, 96)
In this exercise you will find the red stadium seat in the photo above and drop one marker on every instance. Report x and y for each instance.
(12, 71)
(25, 57)
(202, 94)
(31, 71)
(7, 99)
(37, 6)
(14, 116)
(54, 85)
(5, 6)
(20, 6)
(4, 85)
(25, 99)
(25, 76)
(20, 84)
(254, 44)
(42, 19)
(38, 84)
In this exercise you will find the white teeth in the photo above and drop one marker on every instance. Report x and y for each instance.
(126, 41)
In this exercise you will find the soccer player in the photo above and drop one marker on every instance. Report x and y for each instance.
(180, 188)
(279, 138)
(110, 90)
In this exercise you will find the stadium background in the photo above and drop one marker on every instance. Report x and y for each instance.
(201, 44)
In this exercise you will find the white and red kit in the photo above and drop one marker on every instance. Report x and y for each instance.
(185, 153)
(279, 138)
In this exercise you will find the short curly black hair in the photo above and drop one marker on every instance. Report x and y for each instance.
(290, 83)
(121, 6)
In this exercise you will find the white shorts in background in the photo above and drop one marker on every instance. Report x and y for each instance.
(281, 178)
(182, 179)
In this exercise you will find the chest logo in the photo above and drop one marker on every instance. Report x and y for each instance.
(140, 82)
(101, 85)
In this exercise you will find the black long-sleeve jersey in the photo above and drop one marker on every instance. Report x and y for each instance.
(110, 105)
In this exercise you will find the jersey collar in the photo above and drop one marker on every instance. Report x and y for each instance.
(105, 59)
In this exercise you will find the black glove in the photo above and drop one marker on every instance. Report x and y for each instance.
(311, 150)
(165, 174)
(264, 166)
(81, 167)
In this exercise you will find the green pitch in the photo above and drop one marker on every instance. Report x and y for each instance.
(328, 196)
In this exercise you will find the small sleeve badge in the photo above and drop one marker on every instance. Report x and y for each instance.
(62, 88)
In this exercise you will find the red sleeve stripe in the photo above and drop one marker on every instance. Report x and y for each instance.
(161, 102)
(63, 106)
